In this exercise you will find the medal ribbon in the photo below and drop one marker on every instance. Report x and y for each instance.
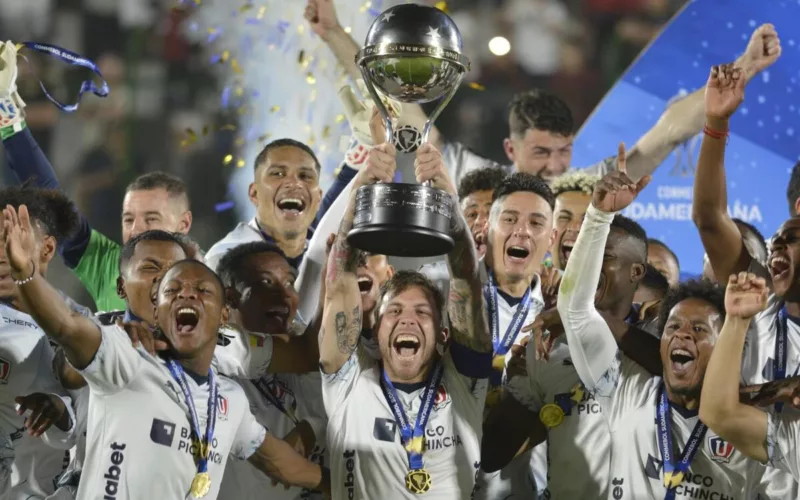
(674, 472)
(75, 60)
(413, 439)
(266, 389)
(781, 354)
(502, 346)
(204, 442)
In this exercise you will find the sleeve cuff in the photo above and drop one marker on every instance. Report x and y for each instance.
(57, 438)
(596, 215)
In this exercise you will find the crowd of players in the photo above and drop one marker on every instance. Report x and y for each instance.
(553, 352)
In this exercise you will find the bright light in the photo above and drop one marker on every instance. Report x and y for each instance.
(499, 46)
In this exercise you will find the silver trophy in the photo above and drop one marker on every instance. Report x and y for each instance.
(412, 54)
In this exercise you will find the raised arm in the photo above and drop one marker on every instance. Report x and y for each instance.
(721, 238)
(684, 118)
(745, 427)
(78, 335)
(592, 345)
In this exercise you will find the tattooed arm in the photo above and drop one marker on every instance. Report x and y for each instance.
(465, 306)
(341, 317)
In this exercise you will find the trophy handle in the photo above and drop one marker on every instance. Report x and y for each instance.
(387, 119)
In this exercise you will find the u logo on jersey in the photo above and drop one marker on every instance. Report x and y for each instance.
(222, 407)
(5, 371)
(442, 397)
(720, 449)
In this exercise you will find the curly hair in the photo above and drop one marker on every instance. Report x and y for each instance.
(53, 212)
(189, 246)
(704, 290)
(575, 180)
(521, 181)
(482, 179)
(541, 110)
(231, 261)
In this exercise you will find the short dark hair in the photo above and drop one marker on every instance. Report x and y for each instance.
(521, 181)
(541, 110)
(482, 179)
(201, 264)
(753, 229)
(284, 143)
(693, 289)
(405, 279)
(187, 244)
(793, 189)
(654, 280)
(159, 180)
(659, 243)
(633, 230)
(53, 212)
(233, 258)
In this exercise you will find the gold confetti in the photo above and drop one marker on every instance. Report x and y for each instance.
(192, 136)
(339, 118)
(240, 163)
(212, 31)
(308, 129)
(313, 96)
(198, 2)
(441, 6)
(235, 66)
(229, 126)
(245, 7)
(225, 55)
(242, 110)
(227, 160)
(274, 109)
(310, 79)
(301, 57)
(311, 140)
(476, 86)
(239, 91)
(326, 132)
(261, 12)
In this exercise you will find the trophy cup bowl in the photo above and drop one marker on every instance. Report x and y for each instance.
(412, 54)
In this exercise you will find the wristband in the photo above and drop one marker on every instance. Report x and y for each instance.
(29, 278)
(13, 129)
(715, 134)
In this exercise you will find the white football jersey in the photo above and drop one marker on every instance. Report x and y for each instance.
(26, 366)
(575, 469)
(139, 434)
(301, 399)
(368, 460)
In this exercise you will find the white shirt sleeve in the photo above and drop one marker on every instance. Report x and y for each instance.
(782, 437)
(242, 354)
(249, 436)
(336, 387)
(592, 346)
(115, 364)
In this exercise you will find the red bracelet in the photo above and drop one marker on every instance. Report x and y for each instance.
(715, 134)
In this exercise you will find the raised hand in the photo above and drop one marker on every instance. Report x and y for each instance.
(551, 281)
(429, 166)
(778, 391)
(746, 295)
(321, 16)
(763, 49)
(615, 191)
(544, 330)
(46, 410)
(380, 167)
(724, 91)
(19, 241)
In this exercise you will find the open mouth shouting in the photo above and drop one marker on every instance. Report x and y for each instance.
(406, 345)
(186, 319)
(364, 284)
(276, 318)
(291, 206)
(566, 251)
(517, 254)
(779, 266)
(681, 360)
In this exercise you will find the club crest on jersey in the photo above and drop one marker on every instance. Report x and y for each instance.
(5, 371)
(721, 450)
(222, 407)
(442, 397)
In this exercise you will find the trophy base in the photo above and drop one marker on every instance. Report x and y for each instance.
(402, 220)
(400, 241)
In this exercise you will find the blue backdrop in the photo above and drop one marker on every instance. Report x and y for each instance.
(765, 132)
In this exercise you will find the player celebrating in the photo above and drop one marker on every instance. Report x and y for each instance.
(427, 404)
(644, 462)
(125, 381)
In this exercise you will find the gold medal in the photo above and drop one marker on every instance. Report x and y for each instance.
(201, 485)
(551, 415)
(493, 397)
(418, 481)
(416, 445)
(499, 363)
(673, 479)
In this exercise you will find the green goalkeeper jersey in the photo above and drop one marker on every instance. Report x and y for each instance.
(98, 270)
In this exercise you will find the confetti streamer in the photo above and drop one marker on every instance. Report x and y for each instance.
(224, 206)
(476, 86)
(227, 160)
(441, 6)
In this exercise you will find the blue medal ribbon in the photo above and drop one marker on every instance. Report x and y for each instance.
(674, 472)
(413, 439)
(267, 390)
(781, 354)
(204, 440)
(75, 60)
(503, 345)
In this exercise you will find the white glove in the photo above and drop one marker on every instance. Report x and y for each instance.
(11, 104)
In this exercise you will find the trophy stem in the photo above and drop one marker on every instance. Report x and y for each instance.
(376, 98)
(426, 130)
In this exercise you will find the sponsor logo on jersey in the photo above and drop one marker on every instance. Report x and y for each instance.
(222, 407)
(188, 444)
(384, 429)
(20, 322)
(436, 438)
(693, 485)
(721, 450)
(113, 474)
(5, 370)
(162, 432)
(349, 477)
